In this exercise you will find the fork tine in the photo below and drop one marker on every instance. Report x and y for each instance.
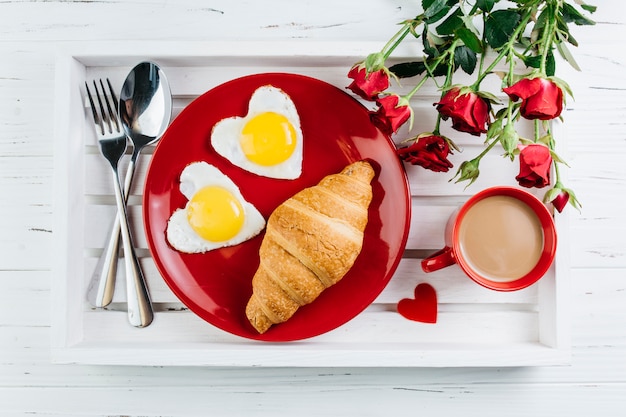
(105, 120)
(115, 100)
(111, 115)
(107, 117)
(94, 112)
(101, 100)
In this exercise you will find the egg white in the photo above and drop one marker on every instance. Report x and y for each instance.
(225, 134)
(181, 235)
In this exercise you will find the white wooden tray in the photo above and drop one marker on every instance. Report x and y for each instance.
(476, 326)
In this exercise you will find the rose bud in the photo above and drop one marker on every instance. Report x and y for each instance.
(469, 111)
(430, 152)
(535, 163)
(560, 201)
(468, 171)
(541, 98)
(509, 138)
(393, 112)
(368, 85)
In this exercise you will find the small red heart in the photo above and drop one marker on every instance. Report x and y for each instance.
(423, 307)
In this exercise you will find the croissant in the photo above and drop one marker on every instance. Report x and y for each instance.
(310, 243)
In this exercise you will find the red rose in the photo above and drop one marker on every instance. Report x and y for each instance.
(390, 114)
(368, 86)
(541, 98)
(535, 162)
(469, 111)
(430, 152)
(560, 201)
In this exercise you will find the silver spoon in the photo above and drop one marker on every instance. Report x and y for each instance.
(145, 110)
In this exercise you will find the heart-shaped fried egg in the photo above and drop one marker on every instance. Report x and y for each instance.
(268, 140)
(216, 214)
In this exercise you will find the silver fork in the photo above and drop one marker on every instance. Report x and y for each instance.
(112, 141)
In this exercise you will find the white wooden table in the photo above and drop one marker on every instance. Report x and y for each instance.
(36, 379)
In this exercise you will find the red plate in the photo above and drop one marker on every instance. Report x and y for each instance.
(337, 131)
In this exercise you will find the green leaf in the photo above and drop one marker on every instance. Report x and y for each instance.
(470, 39)
(492, 98)
(495, 128)
(465, 58)
(451, 24)
(429, 49)
(435, 9)
(532, 61)
(545, 139)
(486, 5)
(499, 27)
(469, 21)
(571, 15)
(572, 198)
(408, 69)
(543, 18)
(412, 69)
(567, 55)
(440, 70)
(557, 158)
(563, 33)
(588, 7)
(540, 24)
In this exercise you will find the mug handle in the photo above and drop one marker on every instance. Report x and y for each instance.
(438, 260)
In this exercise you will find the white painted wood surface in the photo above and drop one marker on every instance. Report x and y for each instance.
(31, 36)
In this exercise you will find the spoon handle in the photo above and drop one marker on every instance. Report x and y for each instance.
(102, 284)
(140, 313)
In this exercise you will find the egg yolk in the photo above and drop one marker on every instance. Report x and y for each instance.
(215, 214)
(268, 139)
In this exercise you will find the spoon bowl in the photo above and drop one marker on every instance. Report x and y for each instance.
(145, 104)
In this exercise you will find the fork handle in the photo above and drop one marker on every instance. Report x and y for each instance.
(102, 284)
(140, 312)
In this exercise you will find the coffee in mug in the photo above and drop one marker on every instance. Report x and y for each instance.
(503, 238)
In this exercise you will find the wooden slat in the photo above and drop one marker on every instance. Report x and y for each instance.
(473, 327)
(452, 286)
(426, 227)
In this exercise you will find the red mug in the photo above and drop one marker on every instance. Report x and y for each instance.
(503, 238)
